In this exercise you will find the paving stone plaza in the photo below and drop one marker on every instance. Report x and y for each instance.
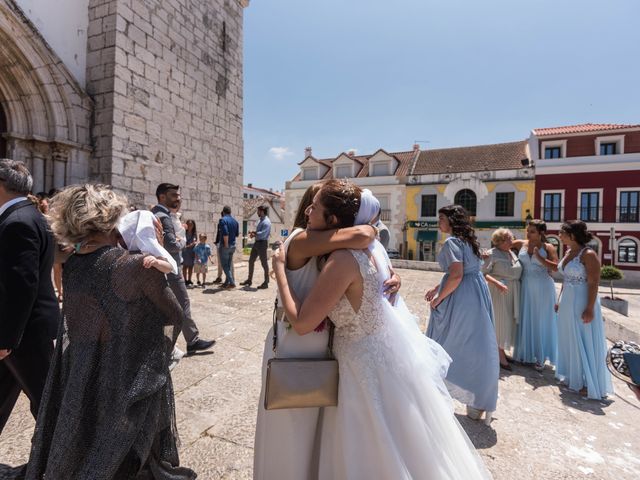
(540, 431)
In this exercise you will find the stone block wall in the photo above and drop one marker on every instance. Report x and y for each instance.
(166, 78)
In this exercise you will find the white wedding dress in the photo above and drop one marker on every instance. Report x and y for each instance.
(394, 418)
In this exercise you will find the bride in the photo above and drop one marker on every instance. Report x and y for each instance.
(294, 431)
(394, 417)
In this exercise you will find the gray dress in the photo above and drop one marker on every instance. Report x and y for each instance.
(506, 268)
(107, 410)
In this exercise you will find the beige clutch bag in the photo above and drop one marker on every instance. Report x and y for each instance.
(300, 382)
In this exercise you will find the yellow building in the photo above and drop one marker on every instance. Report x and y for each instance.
(495, 183)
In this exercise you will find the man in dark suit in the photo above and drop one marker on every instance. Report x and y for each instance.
(168, 196)
(29, 312)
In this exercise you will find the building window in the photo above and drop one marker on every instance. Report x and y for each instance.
(379, 169)
(552, 209)
(627, 251)
(552, 152)
(505, 204)
(610, 145)
(429, 206)
(467, 199)
(385, 209)
(343, 171)
(244, 195)
(629, 203)
(589, 206)
(608, 148)
(310, 173)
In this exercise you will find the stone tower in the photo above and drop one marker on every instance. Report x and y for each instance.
(131, 93)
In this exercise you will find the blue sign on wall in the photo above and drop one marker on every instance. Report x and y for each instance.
(284, 233)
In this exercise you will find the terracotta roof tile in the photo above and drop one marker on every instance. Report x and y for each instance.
(263, 190)
(582, 128)
(405, 160)
(500, 156)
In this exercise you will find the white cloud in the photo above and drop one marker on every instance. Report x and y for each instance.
(354, 150)
(279, 153)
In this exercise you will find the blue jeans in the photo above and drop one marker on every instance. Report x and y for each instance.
(226, 257)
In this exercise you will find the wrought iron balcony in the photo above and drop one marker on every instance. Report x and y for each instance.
(552, 214)
(629, 214)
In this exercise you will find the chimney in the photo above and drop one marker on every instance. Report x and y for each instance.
(351, 153)
(307, 152)
(249, 185)
(416, 147)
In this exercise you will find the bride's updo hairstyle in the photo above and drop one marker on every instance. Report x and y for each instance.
(340, 198)
(577, 229)
(461, 226)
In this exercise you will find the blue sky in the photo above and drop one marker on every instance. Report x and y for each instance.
(369, 74)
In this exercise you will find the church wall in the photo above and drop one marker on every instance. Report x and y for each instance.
(63, 24)
(166, 77)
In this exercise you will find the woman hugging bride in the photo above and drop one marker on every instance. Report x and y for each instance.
(394, 418)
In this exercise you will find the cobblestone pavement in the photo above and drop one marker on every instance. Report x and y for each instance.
(540, 431)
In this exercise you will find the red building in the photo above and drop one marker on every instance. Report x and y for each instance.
(591, 172)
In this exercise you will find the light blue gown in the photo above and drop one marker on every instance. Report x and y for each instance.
(463, 325)
(537, 338)
(583, 347)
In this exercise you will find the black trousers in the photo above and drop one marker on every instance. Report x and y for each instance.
(259, 249)
(25, 369)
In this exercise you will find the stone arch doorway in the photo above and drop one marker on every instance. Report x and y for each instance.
(46, 114)
(3, 132)
(467, 198)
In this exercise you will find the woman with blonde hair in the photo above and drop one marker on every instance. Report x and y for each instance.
(502, 270)
(108, 407)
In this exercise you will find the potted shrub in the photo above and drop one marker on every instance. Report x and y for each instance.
(610, 273)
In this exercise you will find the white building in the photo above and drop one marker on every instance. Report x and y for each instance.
(254, 197)
(384, 173)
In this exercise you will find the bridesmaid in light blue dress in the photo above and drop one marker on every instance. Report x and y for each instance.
(583, 348)
(536, 340)
(462, 317)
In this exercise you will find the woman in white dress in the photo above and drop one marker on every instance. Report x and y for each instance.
(394, 418)
(286, 444)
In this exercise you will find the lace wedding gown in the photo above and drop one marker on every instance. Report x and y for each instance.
(394, 418)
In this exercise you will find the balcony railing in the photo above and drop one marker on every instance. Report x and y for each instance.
(552, 214)
(590, 214)
(593, 214)
(385, 215)
(628, 214)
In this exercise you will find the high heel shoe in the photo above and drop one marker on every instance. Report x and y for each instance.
(474, 413)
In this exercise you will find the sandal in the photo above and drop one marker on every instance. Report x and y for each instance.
(474, 413)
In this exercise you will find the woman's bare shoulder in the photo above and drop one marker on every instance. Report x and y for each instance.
(343, 258)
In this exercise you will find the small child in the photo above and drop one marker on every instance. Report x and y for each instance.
(202, 254)
(139, 235)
